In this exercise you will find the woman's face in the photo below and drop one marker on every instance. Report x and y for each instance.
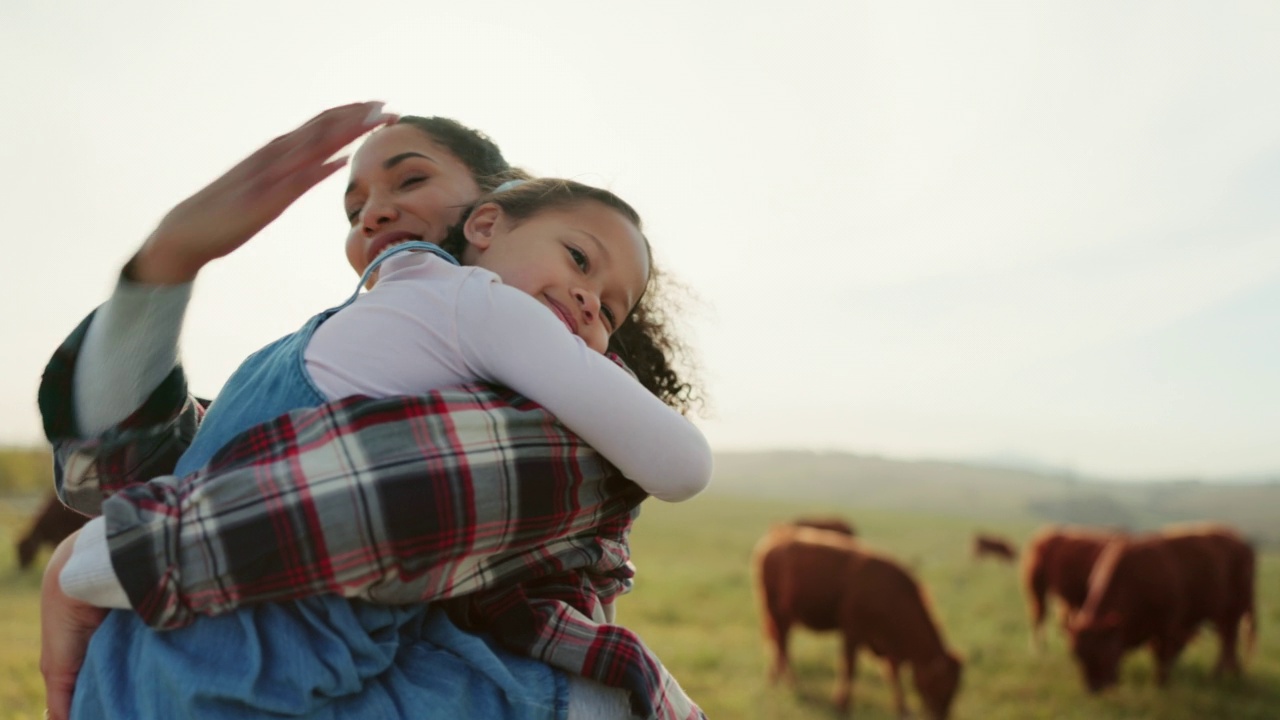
(404, 186)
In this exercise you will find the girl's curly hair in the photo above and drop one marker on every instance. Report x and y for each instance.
(649, 345)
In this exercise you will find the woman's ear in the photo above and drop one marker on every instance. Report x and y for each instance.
(482, 226)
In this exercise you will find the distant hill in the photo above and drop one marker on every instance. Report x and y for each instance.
(998, 493)
(937, 487)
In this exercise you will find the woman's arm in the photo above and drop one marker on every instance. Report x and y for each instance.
(146, 443)
(100, 445)
(130, 346)
(513, 340)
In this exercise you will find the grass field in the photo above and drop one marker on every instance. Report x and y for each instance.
(694, 604)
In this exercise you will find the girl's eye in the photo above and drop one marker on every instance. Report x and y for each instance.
(352, 214)
(409, 182)
(579, 258)
(607, 313)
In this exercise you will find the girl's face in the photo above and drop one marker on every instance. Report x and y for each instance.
(586, 263)
(404, 186)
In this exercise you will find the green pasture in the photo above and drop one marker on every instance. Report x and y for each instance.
(695, 606)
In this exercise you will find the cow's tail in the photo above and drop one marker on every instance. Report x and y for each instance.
(766, 603)
(770, 606)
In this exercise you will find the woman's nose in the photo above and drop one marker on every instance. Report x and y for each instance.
(589, 302)
(377, 212)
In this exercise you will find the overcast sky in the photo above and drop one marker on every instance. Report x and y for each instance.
(1047, 231)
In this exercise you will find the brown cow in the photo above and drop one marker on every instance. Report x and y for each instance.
(997, 547)
(833, 523)
(1159, 589)
(1059, 561)
(55, 522)
(825, 580)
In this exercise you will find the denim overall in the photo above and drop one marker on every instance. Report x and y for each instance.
(320, 657)
(272, 381)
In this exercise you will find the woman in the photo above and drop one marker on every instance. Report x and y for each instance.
(373, 451)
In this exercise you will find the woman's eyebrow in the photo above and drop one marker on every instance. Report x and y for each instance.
(392, 162)
(397, 159)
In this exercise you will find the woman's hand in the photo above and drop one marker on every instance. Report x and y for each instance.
(66, 625)
(235, 207)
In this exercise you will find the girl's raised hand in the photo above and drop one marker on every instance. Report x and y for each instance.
(235, 207)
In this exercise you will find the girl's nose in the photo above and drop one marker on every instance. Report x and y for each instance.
(589, 302)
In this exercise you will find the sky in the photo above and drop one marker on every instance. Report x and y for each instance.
(1028, 232)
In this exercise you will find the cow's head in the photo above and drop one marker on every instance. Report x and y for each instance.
(1098, 645)
(937, 682)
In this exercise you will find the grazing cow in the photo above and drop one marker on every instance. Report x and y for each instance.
(824, 581)
(1158, 590)
(1059, 561)
(55, 522)
(997, 547)
(833, 523)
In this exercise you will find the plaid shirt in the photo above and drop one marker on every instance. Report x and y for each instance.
(474, 497)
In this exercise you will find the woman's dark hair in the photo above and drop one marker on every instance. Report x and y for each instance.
(480, 154)
(645, 342)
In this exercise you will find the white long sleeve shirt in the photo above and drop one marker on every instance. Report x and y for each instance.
(428, 324)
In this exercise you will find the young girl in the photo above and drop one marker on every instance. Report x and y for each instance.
(552, 269)
(561, 225)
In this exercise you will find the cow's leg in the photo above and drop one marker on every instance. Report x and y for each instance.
(1165, 647)
(894, 677)
(1228, 651)
(844, 679)
(779, 629)
(1066, 614)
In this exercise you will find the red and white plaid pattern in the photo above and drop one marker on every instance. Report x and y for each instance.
(474, 497)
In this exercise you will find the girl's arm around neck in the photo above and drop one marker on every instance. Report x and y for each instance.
(509, 338)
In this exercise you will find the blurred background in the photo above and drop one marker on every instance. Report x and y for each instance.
(948, 269)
